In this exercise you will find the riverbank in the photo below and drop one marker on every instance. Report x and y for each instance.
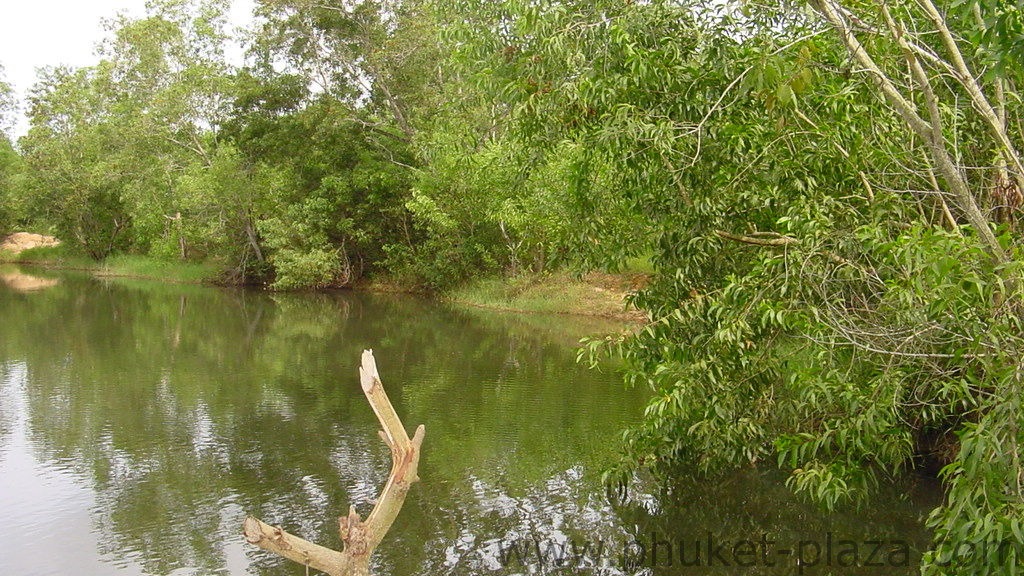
(121, 266)
(596, 295)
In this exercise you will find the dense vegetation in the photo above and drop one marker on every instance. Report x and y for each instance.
(831, 192)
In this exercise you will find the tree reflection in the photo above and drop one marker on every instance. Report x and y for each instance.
(155, 397)
(182, 408)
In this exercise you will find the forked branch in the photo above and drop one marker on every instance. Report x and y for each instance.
(360, 536)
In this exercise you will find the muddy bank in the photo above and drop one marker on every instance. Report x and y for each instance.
(20, 241)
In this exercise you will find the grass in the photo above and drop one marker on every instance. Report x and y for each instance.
(145, 267)
(126, 266)
(51, 257)
(559, 293)
(639, 264)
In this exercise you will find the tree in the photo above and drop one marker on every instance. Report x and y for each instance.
(73, 183)
(345, 195)
(341, 120)
(169, 92)
(380, 57)
(10, 171)
(835, 283)
(985, 506)
(8, 105)
(108, 142)
(222, 204)
(9, 158)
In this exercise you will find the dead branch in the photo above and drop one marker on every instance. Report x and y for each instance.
(360, 536)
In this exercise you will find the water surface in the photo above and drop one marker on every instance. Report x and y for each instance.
(140, 423)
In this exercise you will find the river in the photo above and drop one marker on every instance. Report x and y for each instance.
(141, 422)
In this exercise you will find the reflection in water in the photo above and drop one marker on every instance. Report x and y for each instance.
(43, 502)
(140, 423)
(21, 282)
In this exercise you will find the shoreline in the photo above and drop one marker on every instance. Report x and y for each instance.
(594, 295)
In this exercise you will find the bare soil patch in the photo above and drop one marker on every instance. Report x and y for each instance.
(20, 241)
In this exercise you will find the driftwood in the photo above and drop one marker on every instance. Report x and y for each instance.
(360, 536)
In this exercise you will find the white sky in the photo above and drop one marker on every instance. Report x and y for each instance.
(37, 33)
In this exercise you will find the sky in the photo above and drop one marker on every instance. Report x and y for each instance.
(37, 33)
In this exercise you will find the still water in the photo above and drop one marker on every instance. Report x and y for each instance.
(140, 423)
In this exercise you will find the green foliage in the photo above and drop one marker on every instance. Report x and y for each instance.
(220, 206)
(341, 122)
(344, 195)
(162, 149)
(315, 268)
(810, 305)
(997, 30)
(10, 161)
(11, 170)
(72, 182)
(107, 142)
(8, 105)
(488, 200)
